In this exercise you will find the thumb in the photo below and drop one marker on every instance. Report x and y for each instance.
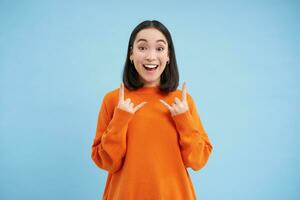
(139, 106)
(166, 104)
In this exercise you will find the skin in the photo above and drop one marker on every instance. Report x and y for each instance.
(151, 47)
(127, 105)
(178, 107)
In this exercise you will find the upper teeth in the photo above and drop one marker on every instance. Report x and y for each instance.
(151, 66)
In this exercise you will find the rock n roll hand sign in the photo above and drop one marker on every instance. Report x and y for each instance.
(179, 106)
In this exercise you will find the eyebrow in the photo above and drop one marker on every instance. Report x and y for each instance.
(146, 40)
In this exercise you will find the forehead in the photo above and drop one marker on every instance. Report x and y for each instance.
(150, 35)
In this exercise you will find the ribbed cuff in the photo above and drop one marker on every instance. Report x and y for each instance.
(121, 117)
(184, 122)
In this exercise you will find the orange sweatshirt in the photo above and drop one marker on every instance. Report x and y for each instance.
(146, 153)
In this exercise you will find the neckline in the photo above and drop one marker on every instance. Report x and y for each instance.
(151, 89)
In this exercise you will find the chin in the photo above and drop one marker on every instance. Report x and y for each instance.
(150, 80)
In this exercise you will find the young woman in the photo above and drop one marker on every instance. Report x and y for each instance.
(148, 131)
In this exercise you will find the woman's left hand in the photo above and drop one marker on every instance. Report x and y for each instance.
(179, 106)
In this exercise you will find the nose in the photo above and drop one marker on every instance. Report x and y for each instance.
(151, 55)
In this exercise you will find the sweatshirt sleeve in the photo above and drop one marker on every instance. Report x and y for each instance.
(109, 145)
(194, 143)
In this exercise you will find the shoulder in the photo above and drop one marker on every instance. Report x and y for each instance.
(111, 98)
(111, 94)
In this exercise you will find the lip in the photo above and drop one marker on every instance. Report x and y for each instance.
(151, 72)
(151, 64)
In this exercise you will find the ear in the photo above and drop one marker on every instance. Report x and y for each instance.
(130, 53)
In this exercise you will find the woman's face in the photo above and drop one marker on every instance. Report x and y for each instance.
(150, 55)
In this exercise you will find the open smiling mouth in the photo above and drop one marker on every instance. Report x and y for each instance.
(150, 67)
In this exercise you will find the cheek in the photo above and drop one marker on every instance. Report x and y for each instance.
(139, 55)
(163, 68)
(164, 56)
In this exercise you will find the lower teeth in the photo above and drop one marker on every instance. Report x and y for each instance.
(151, 69)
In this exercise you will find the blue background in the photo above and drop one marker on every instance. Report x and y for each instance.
(240, 60)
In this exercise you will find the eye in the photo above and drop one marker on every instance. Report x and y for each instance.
(160, 48)
(142, 48)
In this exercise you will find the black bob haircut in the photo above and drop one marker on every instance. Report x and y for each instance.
(169, 78)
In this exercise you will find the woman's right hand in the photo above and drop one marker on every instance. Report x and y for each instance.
(127, 105)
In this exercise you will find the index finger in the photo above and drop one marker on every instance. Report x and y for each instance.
(121, 92)
(184, 91)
